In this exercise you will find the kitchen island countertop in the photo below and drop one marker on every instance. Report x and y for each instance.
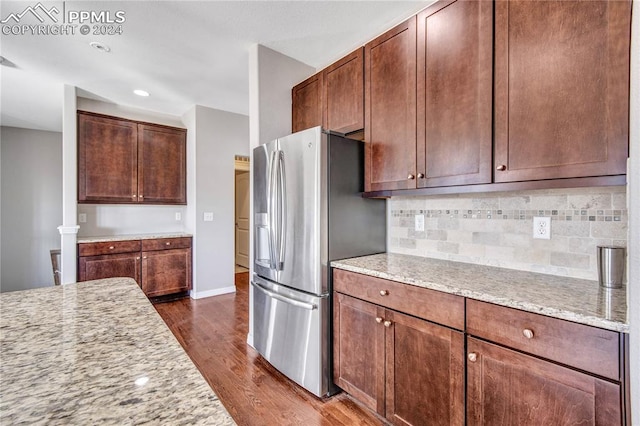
(96, 352)
(572, 299)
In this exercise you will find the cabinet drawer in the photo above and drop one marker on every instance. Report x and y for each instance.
(442, 308)
(166, 243)
(108, 247)
(581, 346)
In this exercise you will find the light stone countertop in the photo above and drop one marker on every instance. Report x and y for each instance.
(571, 299)
(77, 354)
(131, 237)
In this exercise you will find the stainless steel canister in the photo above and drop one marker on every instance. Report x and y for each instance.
(611, 264)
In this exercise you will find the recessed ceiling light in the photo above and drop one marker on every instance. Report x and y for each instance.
(100, 46)
(141, 92)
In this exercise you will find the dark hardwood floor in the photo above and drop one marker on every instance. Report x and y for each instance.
(213, 332)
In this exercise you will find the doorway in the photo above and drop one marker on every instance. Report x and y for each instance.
(242, 174)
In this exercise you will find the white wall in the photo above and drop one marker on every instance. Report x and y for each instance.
(219, 137)
(634, 215)
(31, 206)
(271, 77)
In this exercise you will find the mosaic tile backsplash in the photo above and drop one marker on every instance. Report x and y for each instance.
(497, 228)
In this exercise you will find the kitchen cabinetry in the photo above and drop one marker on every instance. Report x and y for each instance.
(344, 94)
(454, 94)
(166, 266)
(390, 109)
(160, 265)
(109, 259)
(400, 364)
(306, 101)
(507, 384)
(123, 161)
(561, 89)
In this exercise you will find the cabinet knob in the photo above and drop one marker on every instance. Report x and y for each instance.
(501, 168)
(133, 196)
(387, 323)
(379, 320)
(411, 177)
(527, 333)
(144, 257)
(472, 356)
(138, 258)
(384, 292)
(420, 175)
(140, 196)
(167, 243)
(111, 247)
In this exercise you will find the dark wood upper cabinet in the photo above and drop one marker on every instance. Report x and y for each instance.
(123, 161)
(454, 93)
(390, 109)
(107, 159)
(561, 89)
(306, 99)
(162, 164)
(344, 94)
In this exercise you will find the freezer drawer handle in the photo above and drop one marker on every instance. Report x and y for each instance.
(294, 302)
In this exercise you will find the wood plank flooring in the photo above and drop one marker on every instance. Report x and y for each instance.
(213, 332)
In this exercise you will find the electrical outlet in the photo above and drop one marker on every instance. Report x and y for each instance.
(419, 222)
(208, 216)
(82, 218)
(542, 228)
(178, 216)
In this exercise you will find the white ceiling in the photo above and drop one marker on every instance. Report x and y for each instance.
(182, 52)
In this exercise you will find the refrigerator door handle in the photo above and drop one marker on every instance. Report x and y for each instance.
(294, 302)
(271, 206)
(282, 217)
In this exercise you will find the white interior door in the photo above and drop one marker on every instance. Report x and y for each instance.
(242, 219)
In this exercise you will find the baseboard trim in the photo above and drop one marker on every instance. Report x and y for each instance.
(214, 292)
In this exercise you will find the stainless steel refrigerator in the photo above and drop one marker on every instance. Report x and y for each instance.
(308, 210)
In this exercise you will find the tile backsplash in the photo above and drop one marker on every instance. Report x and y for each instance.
(497, 228)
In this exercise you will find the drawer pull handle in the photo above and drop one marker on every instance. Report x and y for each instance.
(472, 356)
(111, 247)
(527, 333)
(387, 323)
(384, 292)
(379, 320)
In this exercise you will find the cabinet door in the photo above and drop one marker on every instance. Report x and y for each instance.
(424, 372)
(162, 165)
(344, 94)
(109, 266)
(166, 271)
(454, 86)
(306, 103)
(561, 89)
(390, 109)
(505, 387)
(107, 159)
(358, 350)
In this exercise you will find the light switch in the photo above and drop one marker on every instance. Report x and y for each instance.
(419, 222)
(178, 216)
(208, 216)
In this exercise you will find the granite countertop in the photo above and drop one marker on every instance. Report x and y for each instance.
(132, 237)
(572, 299)
(96, 352)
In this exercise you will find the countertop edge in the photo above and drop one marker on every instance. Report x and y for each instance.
(129, 237)
(509, 303)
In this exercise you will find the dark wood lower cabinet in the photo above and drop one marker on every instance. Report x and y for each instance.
(408, 370)
(160, 266)
(166, 271)
(109, 266)
(509, 388)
